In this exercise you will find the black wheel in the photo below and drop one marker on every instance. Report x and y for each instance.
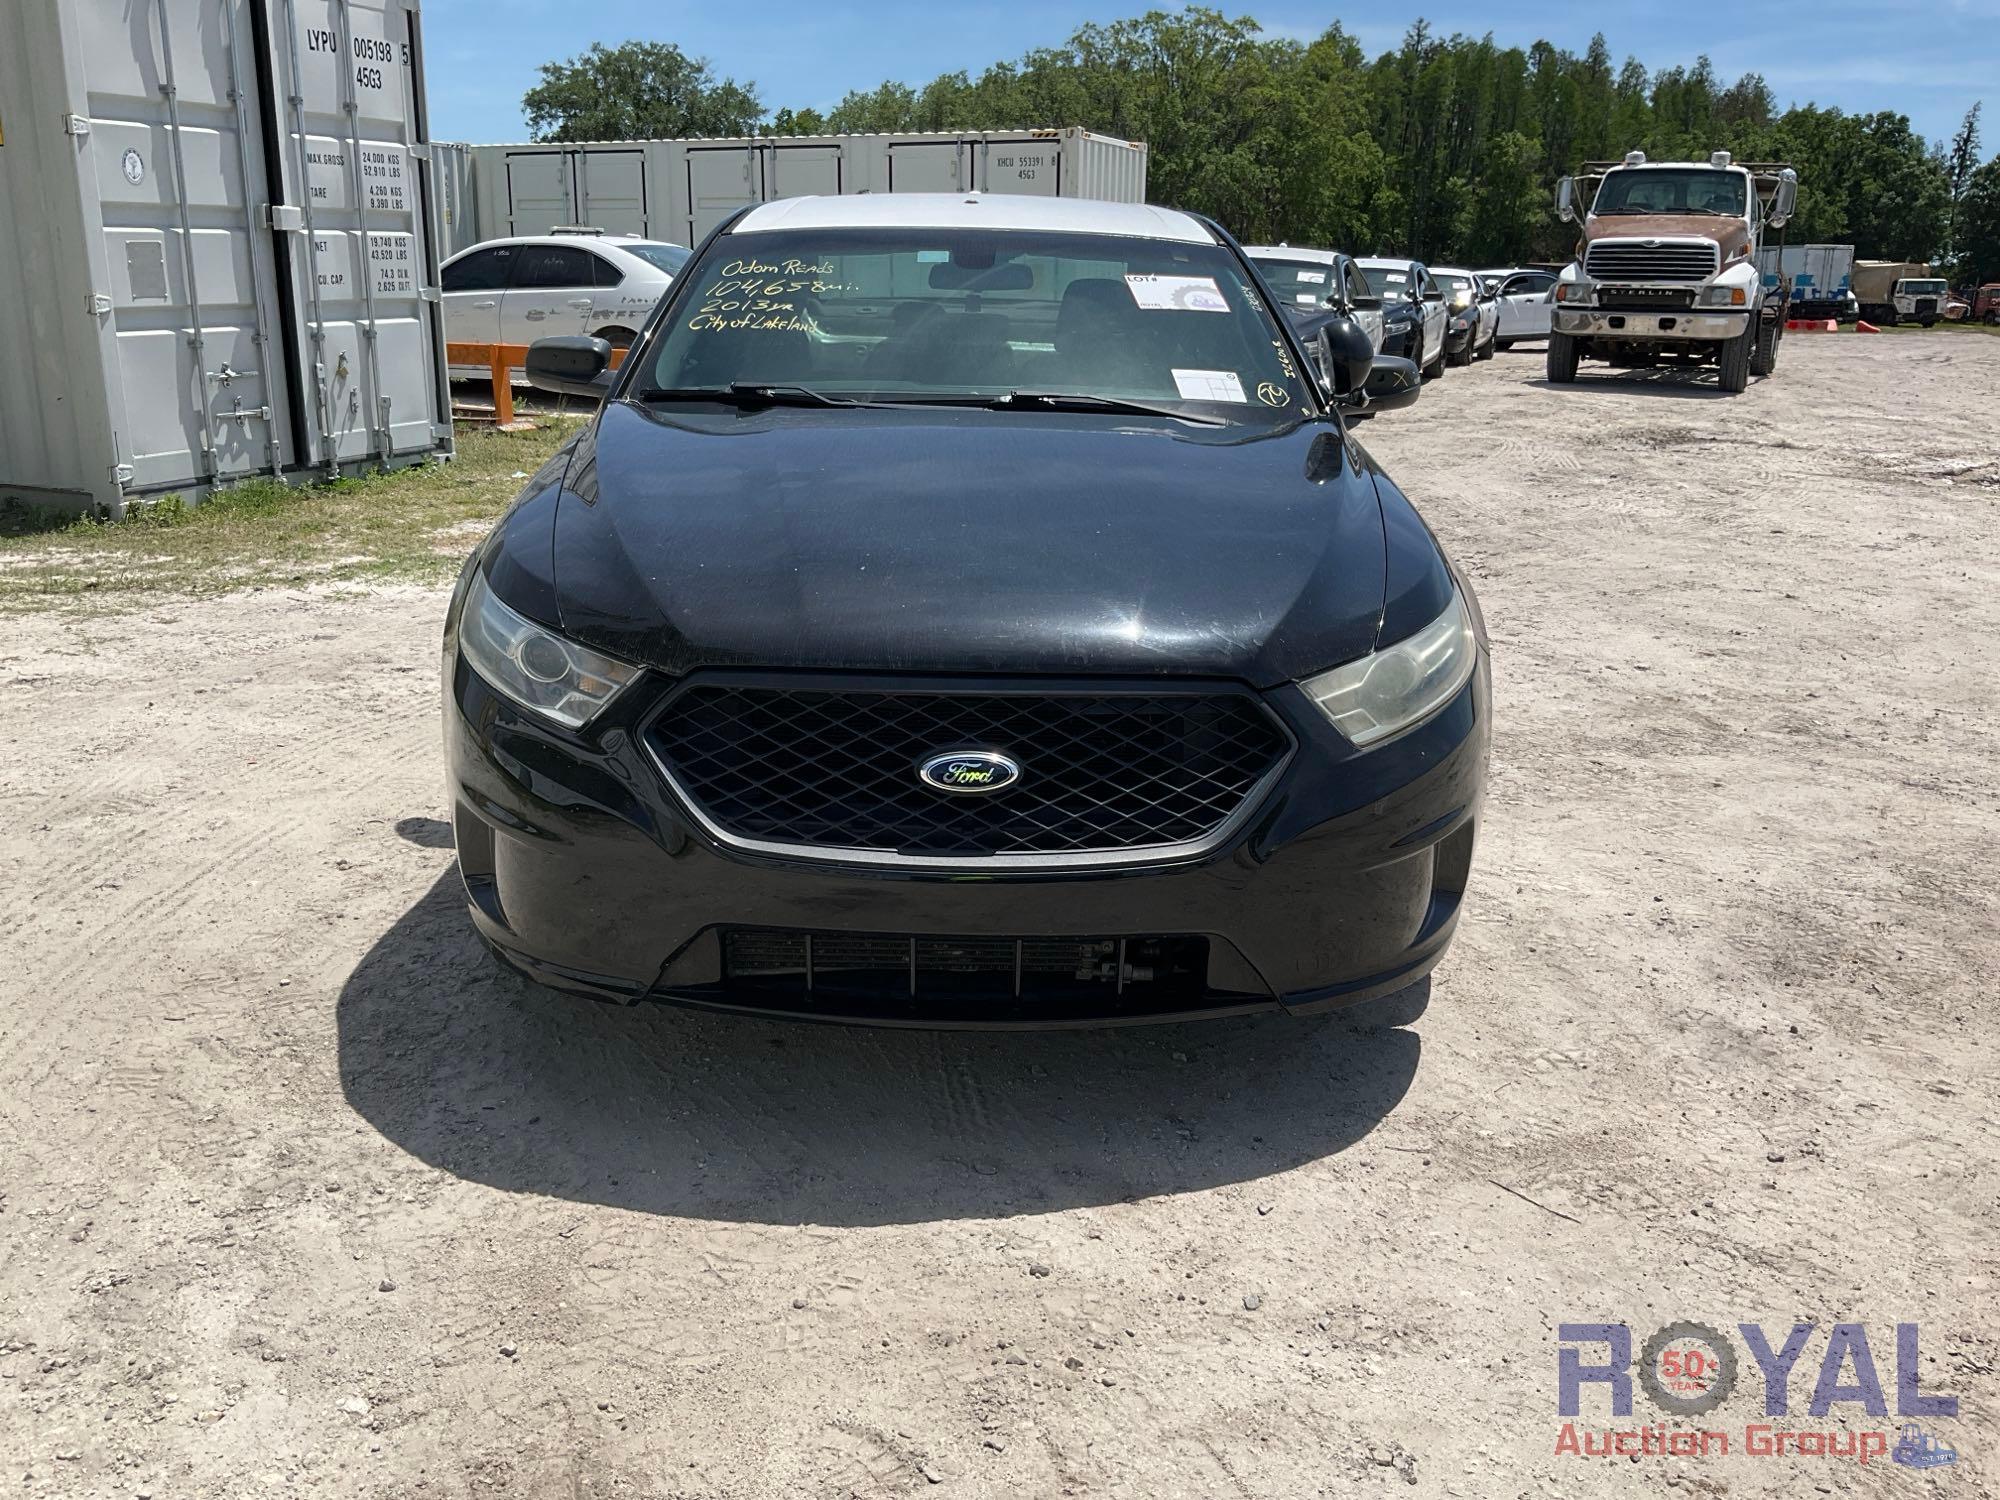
(1928, 322)
(1404, 1008)
(1485, 350)
(1562, 358)
(1435, 368)
(1764, 359)
(617, 338)
(1461, 359)
(1735, 363)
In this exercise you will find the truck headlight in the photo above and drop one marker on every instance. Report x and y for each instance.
(1398, 687)
(534, 666)
(1576, 293)
(1724, 296)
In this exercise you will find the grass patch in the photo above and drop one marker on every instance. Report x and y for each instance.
(1940, 327)
(416, 524)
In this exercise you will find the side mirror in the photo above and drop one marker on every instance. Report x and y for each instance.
(1364, 304)
(1785, 199)
(1566, 199)
(571, 365)
(1345, 352)
(1393, 384)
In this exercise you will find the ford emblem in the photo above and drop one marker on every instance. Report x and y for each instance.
(969, 773)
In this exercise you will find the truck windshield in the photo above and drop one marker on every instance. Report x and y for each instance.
(1924, 288)
(1310, 283)
(1671, 190)
(1015, 319)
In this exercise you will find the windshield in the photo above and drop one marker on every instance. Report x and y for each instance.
(1924, 288)
(1392, 282)
(910, 314)
(1671, 190)
(1460, 288)
(1307, 282)
(669, 258)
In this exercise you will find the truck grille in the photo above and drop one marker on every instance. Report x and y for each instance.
(1662, 260)
(833, 770)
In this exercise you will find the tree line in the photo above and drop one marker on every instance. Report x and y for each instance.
(1446, 148)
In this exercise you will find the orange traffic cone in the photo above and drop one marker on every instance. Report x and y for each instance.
(1863, 326)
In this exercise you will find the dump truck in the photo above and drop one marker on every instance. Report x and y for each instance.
(1899, 291)
(1666, 266)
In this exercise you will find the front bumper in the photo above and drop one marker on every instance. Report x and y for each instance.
(583, 869)
(1695, 327)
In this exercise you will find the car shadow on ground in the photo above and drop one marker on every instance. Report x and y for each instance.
(476, 1071)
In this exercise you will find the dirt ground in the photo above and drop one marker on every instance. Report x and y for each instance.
(300, 1194)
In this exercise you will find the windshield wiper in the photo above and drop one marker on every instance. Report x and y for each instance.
(1075, 401)
(753, 393)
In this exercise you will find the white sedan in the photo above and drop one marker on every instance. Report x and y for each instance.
(1524, 303)
(515, 291)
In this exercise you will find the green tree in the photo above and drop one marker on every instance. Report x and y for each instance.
(637, 91)
(797, 122)
(1978, 244)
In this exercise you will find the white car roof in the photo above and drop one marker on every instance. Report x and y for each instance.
(1450, 271)
(1290, 252)
(1386, 262)
(595, 241)
(974, 211)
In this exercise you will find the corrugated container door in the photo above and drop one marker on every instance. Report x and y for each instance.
(721, 179)
(927, 167)
(540, 191)
(361, 261)
(183, 266)
(801, 171)
(613, 185)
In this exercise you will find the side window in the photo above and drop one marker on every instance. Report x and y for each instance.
(549, 266)
(481, 271)
(1431, 287)
(603, 273)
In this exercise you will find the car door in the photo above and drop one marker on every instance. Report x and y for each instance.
(471, 286)
(1524, 305)
(1434, 310)
(1356, 293)
(550, 294)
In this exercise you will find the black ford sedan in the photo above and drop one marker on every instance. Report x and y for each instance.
(966, 611)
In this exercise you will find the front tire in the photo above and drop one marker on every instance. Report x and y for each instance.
(1765, 359)
(617, 338)
(1562, 358)
(1486, 350)
(1734, 368)
(1435, 368)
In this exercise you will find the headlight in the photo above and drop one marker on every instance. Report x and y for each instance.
(533, 665)
(1723, 296)
(1575, 293)
(1394, 689)
(1461, 299)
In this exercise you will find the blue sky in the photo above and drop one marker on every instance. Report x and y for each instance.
(1929, 61)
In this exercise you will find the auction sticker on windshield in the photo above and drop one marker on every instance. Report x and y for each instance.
(1177, 294)
(1208, 385)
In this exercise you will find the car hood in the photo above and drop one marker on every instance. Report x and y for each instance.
(935, 540)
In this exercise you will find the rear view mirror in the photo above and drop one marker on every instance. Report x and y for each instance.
(1785, 199)
(571, 365)
(1010, 276)
(1345, 353)
(1392, 384)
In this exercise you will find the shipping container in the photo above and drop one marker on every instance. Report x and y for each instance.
(1821, 277)
(679, 190)
(218, 246)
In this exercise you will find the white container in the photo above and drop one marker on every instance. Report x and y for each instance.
(680, 190)
(217, 248)
(1821, 276)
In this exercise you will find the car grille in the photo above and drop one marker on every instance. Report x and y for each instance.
(1668, 260)
(833, 770)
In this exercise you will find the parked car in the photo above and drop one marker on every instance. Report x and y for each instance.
(1309, 283)
(515, 291)
(1472, 315)
(1413, 311)
(1986, 303)
(1525, 307)
(982, 620)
